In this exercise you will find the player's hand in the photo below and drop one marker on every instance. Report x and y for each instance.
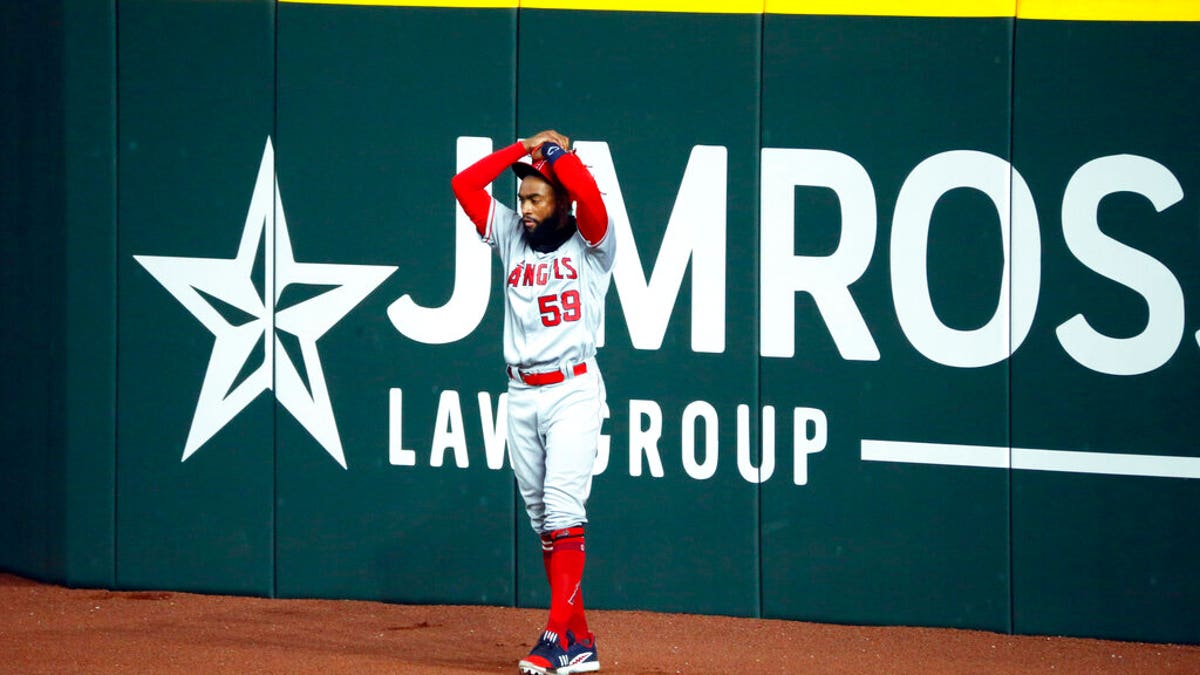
(533, 145)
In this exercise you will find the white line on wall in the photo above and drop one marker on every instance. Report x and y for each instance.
(999, 457)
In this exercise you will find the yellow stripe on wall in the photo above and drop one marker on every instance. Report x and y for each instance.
(951, 8)
(486, 4)
(695, 6)
(1110, 10)
(1063, 10)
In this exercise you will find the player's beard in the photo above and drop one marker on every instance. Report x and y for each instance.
(551, 234)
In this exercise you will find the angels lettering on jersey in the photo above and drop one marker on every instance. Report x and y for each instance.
(528, 273)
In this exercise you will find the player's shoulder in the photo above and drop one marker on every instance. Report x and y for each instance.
(599, 255)
(505, 221)
(504, 234)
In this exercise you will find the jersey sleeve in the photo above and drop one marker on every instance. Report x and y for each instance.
(470, 189)
(590, 213)
(604, 252)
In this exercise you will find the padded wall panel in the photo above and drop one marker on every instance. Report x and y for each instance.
(869, 101)
(195, 116)
(368, 133)
(675, 99)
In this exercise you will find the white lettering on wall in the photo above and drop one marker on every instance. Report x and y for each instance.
(766, 468)
(804, 445)
(826, 278)
(695, 231)
(472, 274)
(699, 411)
(1021, 277)
(398, 455)
(448, 432)
(643, 440)
(700, 452)
(1124, 264)
(695, 236)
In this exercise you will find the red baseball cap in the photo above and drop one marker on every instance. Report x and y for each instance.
(540, 168)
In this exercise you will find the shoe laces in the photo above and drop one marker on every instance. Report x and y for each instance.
(547, 644)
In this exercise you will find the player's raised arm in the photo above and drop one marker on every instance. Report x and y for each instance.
(470, 186)
(591, 215)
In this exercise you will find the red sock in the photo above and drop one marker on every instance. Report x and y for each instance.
(566, 573)
(578, 623)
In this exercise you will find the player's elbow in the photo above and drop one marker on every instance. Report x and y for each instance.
(593, 230)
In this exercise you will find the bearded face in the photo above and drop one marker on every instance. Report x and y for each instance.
(543, 213)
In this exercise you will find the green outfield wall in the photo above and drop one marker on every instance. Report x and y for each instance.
(903, 328)
(59, 331)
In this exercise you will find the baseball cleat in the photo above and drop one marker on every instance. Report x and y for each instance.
(545, 658)
(581, 655)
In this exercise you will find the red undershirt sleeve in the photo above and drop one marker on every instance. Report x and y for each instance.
(470, 185)
(590, 213)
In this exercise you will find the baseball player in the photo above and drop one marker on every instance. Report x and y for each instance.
(557, 269)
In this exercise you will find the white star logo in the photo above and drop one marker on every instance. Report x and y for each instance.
(197, 282)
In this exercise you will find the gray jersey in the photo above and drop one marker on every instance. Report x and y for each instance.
(553, 302)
